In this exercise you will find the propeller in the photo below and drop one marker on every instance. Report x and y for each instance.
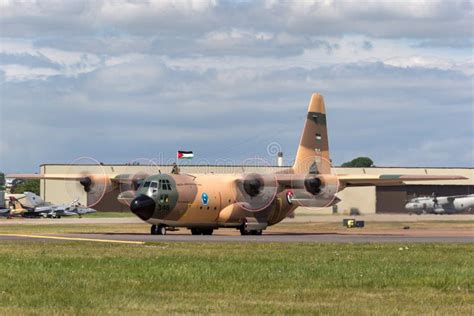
(317, 187)
(136, 171)
(255, 191)
(94, 180)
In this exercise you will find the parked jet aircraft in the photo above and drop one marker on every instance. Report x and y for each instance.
(250, 201)
(4, 212)
(441, 204)
(35, 206)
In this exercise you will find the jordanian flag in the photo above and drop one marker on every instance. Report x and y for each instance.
(185, 154)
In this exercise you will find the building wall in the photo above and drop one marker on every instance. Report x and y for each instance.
(364, 200)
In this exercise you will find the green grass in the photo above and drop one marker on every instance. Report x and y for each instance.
(110, 215)
(235, 278)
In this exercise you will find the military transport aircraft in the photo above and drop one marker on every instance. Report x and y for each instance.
(441, 204)
(249, 202)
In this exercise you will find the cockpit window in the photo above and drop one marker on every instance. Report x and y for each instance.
(154, 184)
(165, 185)
(147, 184)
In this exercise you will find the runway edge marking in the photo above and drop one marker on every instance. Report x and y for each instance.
(75, 239)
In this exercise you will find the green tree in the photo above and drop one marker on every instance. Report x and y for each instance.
(2, 181)
(359, 162)
(28, 185)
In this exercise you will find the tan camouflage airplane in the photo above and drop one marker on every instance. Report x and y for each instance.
(249, 202)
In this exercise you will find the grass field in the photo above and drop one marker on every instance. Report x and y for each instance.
(235, 278)
(110, 215)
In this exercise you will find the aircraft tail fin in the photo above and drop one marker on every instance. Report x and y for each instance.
(313, 151)
(33, 199)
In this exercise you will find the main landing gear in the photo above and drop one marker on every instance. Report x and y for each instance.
(245, 232)
(201, 231)
(159, 229)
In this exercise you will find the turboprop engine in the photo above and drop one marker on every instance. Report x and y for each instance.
(256, 191)
(93, 180)
(315, 190)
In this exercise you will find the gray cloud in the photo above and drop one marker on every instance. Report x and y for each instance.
(176, 24)
(136, 110)
(119, 82)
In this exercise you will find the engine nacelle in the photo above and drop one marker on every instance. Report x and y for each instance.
(256, 191)
(319, 191)
(313, 185)
(253, 184)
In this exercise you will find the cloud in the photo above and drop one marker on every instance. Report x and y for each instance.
(410, 19)
(148, 108)
(121, 80)
(42, 62)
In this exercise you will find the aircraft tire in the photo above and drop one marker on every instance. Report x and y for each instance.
(207, 231)
(256, 232)
(161, 230)
(244, 232)
(196, 231)
(158, 229)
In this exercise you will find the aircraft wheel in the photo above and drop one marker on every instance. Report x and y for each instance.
(256, 232)
(161, 229)
(208, 231)
(244, 232)
(195, 231)
(153, 230)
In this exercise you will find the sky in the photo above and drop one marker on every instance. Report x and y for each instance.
(124, 81)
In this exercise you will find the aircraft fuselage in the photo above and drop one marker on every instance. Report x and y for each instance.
(205, 200)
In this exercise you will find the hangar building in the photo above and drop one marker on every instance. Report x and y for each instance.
(354, 200)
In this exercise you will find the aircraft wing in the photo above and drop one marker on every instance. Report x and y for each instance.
(66, 213)
(297, 180)
(36, 176)
(43, 209)
(118, 178)
(389, 179)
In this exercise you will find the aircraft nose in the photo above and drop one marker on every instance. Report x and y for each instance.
(143, 206)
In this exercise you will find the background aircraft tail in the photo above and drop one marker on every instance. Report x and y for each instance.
(313, 152)
(33, 200)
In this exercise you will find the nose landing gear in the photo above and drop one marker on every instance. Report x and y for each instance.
(159, 229)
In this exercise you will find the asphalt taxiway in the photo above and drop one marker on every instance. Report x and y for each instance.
(392, 236)
(322, 238)
(301, 218)
(449, 233)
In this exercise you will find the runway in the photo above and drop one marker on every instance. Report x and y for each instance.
(414, 236)
(131, 230)
(302, 218)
